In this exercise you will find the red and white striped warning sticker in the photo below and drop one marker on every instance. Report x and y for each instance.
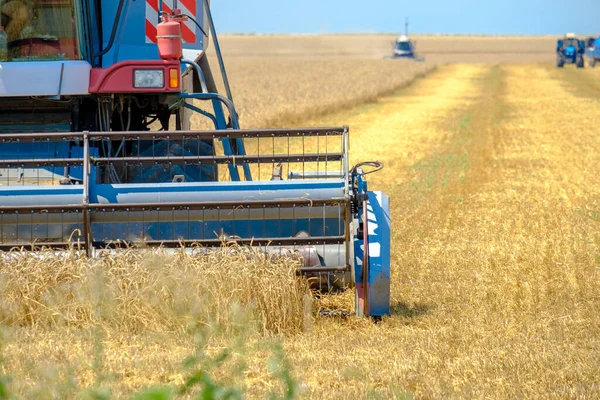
(187, 7)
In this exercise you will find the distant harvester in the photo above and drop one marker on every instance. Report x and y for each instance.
(404, 47)
(593, 50)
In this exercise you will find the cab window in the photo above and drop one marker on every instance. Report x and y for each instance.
(40, 29)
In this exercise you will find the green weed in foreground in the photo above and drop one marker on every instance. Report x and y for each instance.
(207, 374)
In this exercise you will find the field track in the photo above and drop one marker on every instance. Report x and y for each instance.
(496, 261)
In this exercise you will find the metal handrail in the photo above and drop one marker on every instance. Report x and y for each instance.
(219, 54)
(186, 160)
(209, 134)
(204, 205)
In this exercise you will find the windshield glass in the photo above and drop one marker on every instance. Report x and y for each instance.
(40, 29)
(403, 46)
(572, 43)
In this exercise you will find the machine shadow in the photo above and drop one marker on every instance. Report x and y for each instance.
(403, 309)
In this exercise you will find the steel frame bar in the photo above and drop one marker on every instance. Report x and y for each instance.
(217, 242)
(236, 160)
(224, 205)
(214, 134)
(262, 242)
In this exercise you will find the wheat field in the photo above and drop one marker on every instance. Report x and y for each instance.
(279, 80)
(490, 167)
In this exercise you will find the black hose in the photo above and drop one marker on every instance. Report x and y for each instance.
(89, 32)
(113, 33)
(197, 24)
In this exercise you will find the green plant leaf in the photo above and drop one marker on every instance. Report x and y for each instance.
(158, 393)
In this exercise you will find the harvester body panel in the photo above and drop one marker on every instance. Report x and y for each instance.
(42, 78)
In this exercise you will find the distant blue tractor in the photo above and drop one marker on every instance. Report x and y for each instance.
(593, 51)
(570, 50)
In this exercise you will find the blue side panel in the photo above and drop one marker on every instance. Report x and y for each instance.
(199, 230)
(167, 192)
(594, 53)
(130, 41)
(26, 151)
(378, 213)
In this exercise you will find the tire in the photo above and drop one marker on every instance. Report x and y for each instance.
(580, 63)
(560, 62)
(592, 63)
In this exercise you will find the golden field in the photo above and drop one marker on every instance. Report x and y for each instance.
(490, 167)
(299, 87)
(279, 80)
(369, 46)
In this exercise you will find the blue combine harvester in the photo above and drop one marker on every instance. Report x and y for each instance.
(593, 51)
(404, 47)
(96, 148)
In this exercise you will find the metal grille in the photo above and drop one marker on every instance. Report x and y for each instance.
(136, 157)
(250, 155)
(279, 189)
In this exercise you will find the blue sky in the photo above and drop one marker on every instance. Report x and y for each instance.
(526, 17)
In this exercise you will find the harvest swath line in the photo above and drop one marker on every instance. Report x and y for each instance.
(496, 276)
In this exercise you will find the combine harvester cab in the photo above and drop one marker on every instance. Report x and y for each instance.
(96, 150)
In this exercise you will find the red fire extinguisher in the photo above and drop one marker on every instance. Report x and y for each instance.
(169, 36)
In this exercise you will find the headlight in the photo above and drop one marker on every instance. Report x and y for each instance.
(148, 78)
